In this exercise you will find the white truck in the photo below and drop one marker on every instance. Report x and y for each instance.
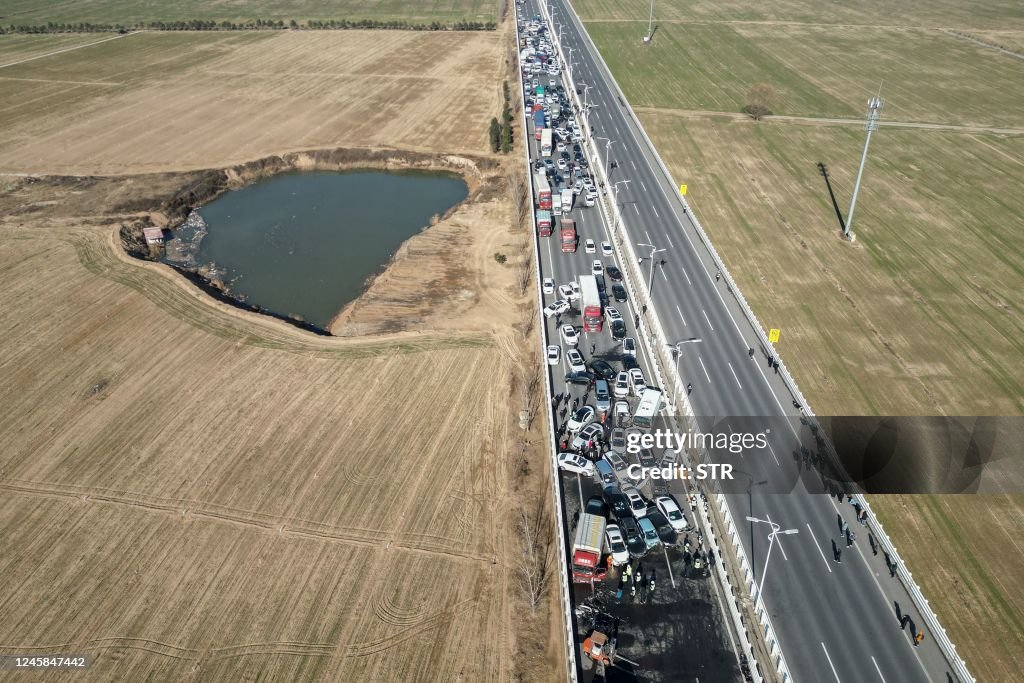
(545, 142)
(587, 548)
(567, 200)
(556, 204)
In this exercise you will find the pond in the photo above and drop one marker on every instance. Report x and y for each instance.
(304, 244)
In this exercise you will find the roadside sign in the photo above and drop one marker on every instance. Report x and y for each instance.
(773, 334)
(682, 189)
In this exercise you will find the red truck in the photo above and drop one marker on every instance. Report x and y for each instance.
(544, 223)
(586, 549)
(540, 180)
(568, 233)
(590, 304)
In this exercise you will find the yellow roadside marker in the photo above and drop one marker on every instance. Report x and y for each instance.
(773, 335)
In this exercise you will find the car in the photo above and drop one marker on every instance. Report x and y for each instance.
(556, 308)
(671, 511)
(636, 379)
(614, 273)
(560, 147)
(616, 545)
(569, 291)
(617, 438)
(554, 354)
(612, 314)
(580, 419)
(549, 286)
(580, 378)
(570, 337)
(552, 82)
(669, 457)
(637, 504)
(621, 411)
(577, 187)
(665, 530)
(602, 369)
(649, 533)
(606, 248)
(575, 361)
(605, 472)
(634, 538)
(618, 329)
(617, 502)
(562, 166)
(597, 268)
(618, 292)
(646, 458)
(595, 506)
(621, 386)
(629, 362)
(618, 463)
(629, 346)
(602, 398)
(548, 164)
(588, 434)
(575, 463)
(589, 247)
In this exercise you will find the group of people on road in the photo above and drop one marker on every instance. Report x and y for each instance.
(635, 581)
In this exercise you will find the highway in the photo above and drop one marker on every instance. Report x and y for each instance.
(835, 620)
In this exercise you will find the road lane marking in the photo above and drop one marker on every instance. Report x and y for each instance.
(632, 164)
(704, 369)
(680, 315)
(655, 211)
(582, 218)
(734, 376)
(830, 663)
(663, 274)
(686, 276)
(820, 551)
(773, 453)
(636, 209)
(643, 186)
(648, 236)
(709, 324)
(671, 246)
(878, 669)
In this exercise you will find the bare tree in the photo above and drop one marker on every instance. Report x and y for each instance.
(535, 568)
(761, 99)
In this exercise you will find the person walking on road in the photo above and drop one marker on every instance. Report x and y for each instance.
(718, 276)
(593, 349)
(750, 353)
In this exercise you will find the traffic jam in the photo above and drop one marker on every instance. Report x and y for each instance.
(635, 555)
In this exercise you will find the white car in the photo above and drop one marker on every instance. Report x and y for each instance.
(675, 516)
(636, 378)
(669, 458)
(560, 147)
(629, 347)
(617, 462)
(621, 387)
(575, 361)
(562, 166)
(613, 314)
(571, 462)
(606, 248)
(569, 291)
(616, 545)
(580, 419)
(552, 82)
(598, 268)
(556, 308)
(636, 502)
(570, 337)
(554, 354)
(549, 286)
(590, 247)
(621, 410)
(586, 435)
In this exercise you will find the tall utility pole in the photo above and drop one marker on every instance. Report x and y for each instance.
(650, 24)
(650, 276)
(874, 105)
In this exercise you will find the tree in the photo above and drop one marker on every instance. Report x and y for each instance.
(761, 99)
(506, 137)
(495, 135)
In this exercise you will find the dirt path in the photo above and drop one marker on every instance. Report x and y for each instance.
(67, 49)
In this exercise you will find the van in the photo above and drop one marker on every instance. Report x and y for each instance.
(556, 204)
(601, 393)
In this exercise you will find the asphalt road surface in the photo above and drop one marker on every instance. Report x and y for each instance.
(836, 616)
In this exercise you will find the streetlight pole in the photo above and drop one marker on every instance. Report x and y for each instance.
(771, 542)
(677, 347)
(874, 106)
(615, 198)
(607, 154)
(650, 25)
(650, 277)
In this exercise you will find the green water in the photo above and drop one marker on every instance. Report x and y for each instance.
(304, 244)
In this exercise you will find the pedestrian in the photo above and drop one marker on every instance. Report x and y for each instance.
(874, 546)
(639, 571)
(636, 321)
(751, 353)
(845, 528)
(653, 576)
(643, 309)
(627, 573)
(718, 276)
(593, 349)
(849, 538)
(918, 638)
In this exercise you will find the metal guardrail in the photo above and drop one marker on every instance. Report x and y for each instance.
(920, 601)
(563, 566)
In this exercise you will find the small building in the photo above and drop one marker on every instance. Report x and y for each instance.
(153, 235)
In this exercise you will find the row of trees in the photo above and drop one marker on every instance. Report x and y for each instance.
(254, 25)
(501, 133)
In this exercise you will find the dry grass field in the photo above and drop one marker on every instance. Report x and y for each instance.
(163, 101)
(922, 315)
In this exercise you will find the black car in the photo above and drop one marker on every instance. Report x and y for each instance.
(614, 273)
(619, 292)
(596, 506)
(666, 533)
(634, 539)
(603, 369)
(618, 502)
(580, 378)
(618, 330)
(576, 148)
(647, 458)
(629, 362)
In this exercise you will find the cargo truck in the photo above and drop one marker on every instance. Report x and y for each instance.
(544, 223)
(586, 549)
(566, 201)
(556, 203)
(540, 181)
(590, 304)
(538, 123)
(568, 233)
(545, 142)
